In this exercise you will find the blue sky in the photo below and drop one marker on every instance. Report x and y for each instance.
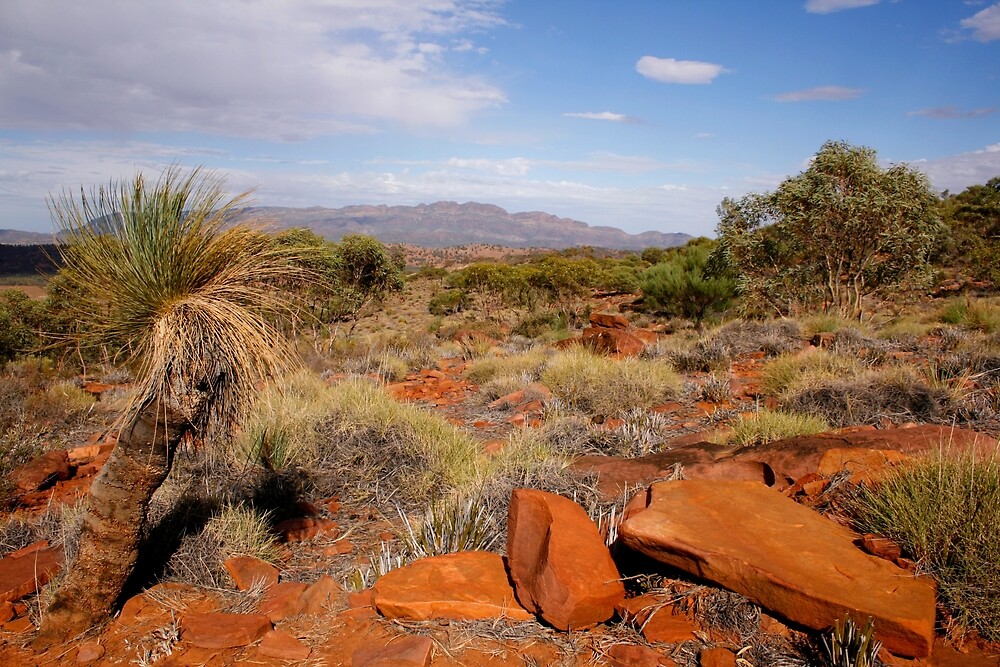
(641, 114)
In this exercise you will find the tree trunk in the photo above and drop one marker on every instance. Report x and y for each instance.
(112, 526)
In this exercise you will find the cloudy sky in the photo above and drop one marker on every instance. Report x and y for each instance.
(641, 114)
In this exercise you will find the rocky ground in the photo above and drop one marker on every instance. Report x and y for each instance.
(723, 557)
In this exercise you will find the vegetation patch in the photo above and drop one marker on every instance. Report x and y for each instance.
(598, 385)
(769, 425)
(944, 511)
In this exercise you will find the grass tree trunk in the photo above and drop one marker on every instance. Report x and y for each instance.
(112, 525)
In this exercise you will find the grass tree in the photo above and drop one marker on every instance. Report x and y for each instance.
(190, 305)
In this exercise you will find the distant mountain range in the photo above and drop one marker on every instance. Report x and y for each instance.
(444, 224)
(437, 225)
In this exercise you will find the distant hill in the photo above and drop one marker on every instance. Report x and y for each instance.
(17, 237)
(446, 224)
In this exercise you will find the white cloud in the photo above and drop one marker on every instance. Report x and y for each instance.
(271, 70)
(985, 24)
(957, 172)
(669, 70)
(604, 115)
(951, 112)
(829, 6)
(820, 93)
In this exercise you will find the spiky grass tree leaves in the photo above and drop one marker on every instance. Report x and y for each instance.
(190, 303)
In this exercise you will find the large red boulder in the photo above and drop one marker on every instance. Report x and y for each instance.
(612, 341)
(560, 566)
(609, 321)
(784, 557)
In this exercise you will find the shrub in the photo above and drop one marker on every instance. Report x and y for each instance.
(788, 373)
(896, 393)
(448, 302)
(944, 511)
(770, 425)
(599, 385)
(684, 286)
(718, 348)
(972, 313)
(528, 363)
(373, 447)
(242, 531)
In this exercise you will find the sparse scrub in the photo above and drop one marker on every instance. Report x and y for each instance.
(375, 447)
(897, 393)
(769, 425)
(944, 510)
(240, 530)
(599, 385)
(717, 349)
(716, 389)
(788, 373)
(529, 362)
(972, 314)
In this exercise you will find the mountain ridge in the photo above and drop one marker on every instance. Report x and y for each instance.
(438, 225)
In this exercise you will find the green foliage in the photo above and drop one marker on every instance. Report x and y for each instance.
(973, 219)
(972, 314)
(685, 286)
(945, 512)
(769, 425)
(842, 230)
(448, 302)
(20, 322)
(849, 645)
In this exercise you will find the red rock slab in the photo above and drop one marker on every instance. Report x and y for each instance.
(560, 566)
(628, 655)
(658, 621)
(89, 652)
(306, 528)
(609, 320)
(26, 570)
(464, 585)
(717, 657)
(246, 571)
(612, 341)
(784, 557)
(217, 630)
(402, 652)
(320, 595)
(795, 457)
(41, 472)
(283, 646)
(283, 600)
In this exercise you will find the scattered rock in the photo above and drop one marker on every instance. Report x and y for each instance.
(630, 655)
(784, 557)
(283, 646)
(41, 472)
(318, 597)
(659, 621)
(247, 571)
(89, 652)
(609, 321)
(612, 341)
(716, 657)
(26, 570)
(216, 630)
(560, 566)
(402, 652)
(303, 529)
(283, 600)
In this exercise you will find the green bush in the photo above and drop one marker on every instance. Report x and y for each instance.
(448, 302)
(684, 286)
(944, 511)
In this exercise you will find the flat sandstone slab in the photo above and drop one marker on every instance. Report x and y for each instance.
(785, 557)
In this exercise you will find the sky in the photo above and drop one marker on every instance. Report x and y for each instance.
(638, 114)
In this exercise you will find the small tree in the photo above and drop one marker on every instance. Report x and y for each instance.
(840, 231)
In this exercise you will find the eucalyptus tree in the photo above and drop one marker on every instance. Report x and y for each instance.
(193, 303)
(840, 231)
